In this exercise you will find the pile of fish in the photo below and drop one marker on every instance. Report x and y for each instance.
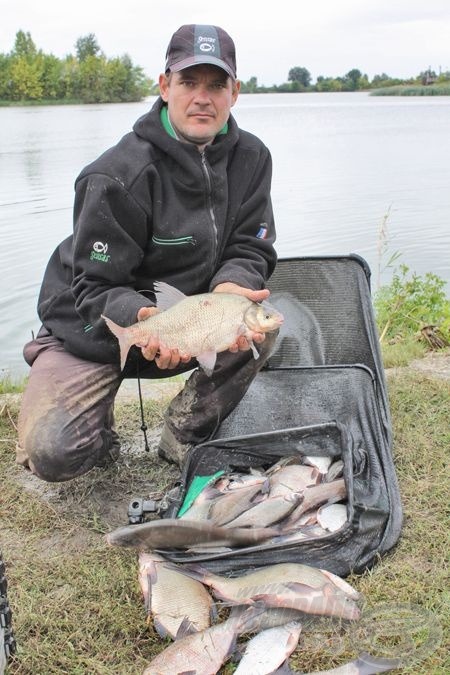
(299, 497)
(271, 601)
(296, 498)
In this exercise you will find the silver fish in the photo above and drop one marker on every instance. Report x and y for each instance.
(198, 325)
(269, 649)
(365, 664)
(332, 516)
(322, 463)
(236, 501)
(268, 512)
(259, 617)
(293, 478)
(307, 589)
(201, 506)
(201, 653)
(170, 533)
(315, 496)
(336, 470)
(173, 599)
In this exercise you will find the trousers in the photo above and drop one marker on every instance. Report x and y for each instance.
(66, 419)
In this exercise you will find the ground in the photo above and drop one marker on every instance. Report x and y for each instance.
(74, 514)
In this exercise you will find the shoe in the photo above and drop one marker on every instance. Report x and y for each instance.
(171, 449)
(110, 456)
(112, 452)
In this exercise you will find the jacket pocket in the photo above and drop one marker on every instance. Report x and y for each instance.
(174, 241)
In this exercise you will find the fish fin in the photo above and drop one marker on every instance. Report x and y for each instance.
(253, 348)
(148, 598)
(186, 627)
(207, 360)
(166, 295)
(160, 628)
(299, 588)
(369, 665)
(213, 613)
(123, 336)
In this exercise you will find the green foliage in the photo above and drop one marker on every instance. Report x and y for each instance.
(24, 45)
(300, 75)
(29, 75)
(86, 46)
(409, 303)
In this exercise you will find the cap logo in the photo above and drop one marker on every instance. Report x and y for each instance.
(207, 44)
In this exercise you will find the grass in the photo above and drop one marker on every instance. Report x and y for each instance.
(76, 603)
(10, 385)
(413, 90)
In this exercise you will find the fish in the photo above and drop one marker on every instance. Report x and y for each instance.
(201, 506)
(332, 516)
(201, 653)
(322, 463)
(297, 586)
(365, 664)
(167, 533)
(172, 599)
(268, 512)
(269, 649)
(336, 470)
(293, 478)
(236, 501)
(199, 325)
(315, 496)
(260, 617)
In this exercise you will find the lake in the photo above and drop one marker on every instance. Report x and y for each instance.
(343, 164)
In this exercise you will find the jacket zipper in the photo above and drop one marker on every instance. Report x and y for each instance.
(210, 202)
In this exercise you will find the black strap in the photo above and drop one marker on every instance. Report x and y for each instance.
(141, 404)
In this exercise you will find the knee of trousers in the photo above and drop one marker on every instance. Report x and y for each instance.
(56, 459)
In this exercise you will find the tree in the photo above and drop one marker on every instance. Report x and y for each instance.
(25, 80)
(86, 46)
(24, 45)
(301, 75)
(352, 79)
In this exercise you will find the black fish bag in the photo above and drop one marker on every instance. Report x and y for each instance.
(323, 393)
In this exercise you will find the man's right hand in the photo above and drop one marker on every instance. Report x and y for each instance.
(164, 357)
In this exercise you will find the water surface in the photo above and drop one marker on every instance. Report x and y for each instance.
(342, 162)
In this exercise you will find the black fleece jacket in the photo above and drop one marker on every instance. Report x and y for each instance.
(154, 209)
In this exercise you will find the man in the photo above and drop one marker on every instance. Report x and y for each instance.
(184, 198)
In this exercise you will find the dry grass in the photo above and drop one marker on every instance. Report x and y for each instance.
(76, 604)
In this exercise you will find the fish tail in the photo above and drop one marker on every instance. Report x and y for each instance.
(124, 338)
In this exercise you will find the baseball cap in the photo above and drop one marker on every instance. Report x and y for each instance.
(193, 44)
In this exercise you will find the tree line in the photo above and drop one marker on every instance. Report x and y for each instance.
(28, 74)
(300, 80)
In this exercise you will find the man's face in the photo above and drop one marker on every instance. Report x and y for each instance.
(199, 100)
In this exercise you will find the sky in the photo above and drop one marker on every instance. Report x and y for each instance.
(328, 37)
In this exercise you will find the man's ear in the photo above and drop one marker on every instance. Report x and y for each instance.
(164, 87)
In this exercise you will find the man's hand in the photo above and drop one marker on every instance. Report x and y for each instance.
(242, 344)
(164, 357)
